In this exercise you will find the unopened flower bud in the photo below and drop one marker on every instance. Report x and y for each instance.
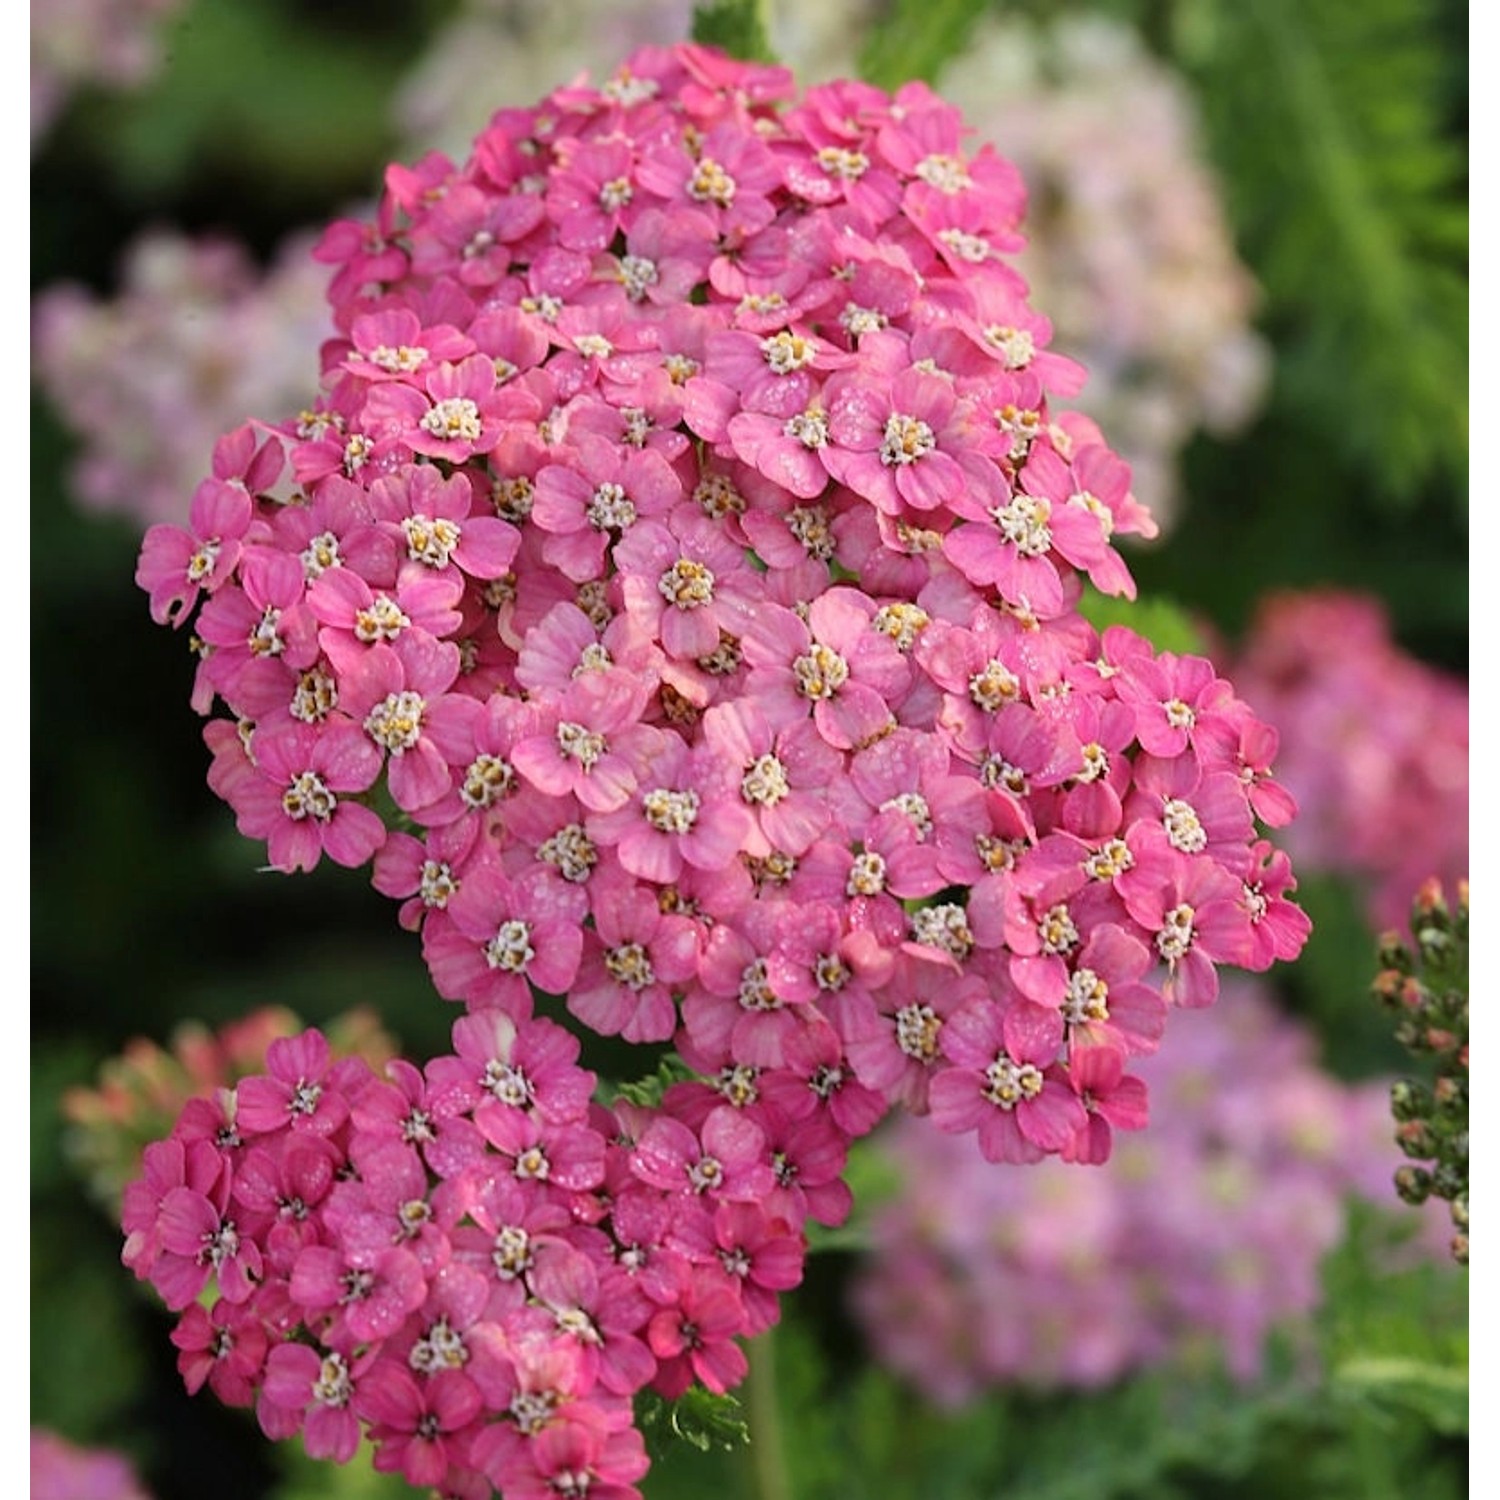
(1414, 1184)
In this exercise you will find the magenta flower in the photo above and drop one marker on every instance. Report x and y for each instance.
(1003, 1082)
(301, 798)
(431, 520)
(902, 444)
(497, 937)
(848, 672)
(599, 493)
(177, 563)
(312, 1390)
(418, 1429)
(635, 958)
(224, 1348)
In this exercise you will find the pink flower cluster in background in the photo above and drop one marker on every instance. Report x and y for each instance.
(1197, 1240)
(61, 1470)
(676, 604)
(1129, 246)
(1373, 742)
(75, 43)
(196, 337)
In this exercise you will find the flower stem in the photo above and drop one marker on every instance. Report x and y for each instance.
(767, 1453)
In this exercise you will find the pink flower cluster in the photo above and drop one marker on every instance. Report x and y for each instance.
(196, 336)
(114, 44)
(61, 1470)
(1193, 1244)
(1374, 744)
(472, 1264)
(140, 1092)
(678, 607)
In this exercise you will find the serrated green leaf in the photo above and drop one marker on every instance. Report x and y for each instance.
(1347, 185)
(697, 1417)
(647, 1092)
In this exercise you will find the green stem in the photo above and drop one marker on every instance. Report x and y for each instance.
(767, 1453)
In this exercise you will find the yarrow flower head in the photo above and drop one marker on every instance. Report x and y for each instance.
(659, 544)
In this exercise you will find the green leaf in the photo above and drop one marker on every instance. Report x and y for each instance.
(646, 1092)
(914, 38)
(697, 1417)
(1167, 625)
(738, 27)
(1348, 188)
(1439, 1394)
(319, 1479)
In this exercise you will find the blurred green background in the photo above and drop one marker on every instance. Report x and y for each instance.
(1336, 133)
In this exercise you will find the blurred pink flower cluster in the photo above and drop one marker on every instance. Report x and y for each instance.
(1193, 1243)
(1373, 742)
(61, 1470)
(676, 602)
(77, 43)
(196, 338)
(1129, 248)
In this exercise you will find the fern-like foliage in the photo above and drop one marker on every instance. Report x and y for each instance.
(912, 39)
(1348, 188)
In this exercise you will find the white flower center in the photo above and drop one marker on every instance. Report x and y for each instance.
(866, 875)
(1008, 1083)
(765, 782)
(1087, 998)
(307, 796)
(384, 620)
(1015, 346)
(1184, 829)
(670, 812)
(510, 948)
(487, 780)
(906, 440)
(839, 161)
(580, 743)
(398, 359)
(630, 965)
(943, 926)
(454, 419)
(430, 541)
(687, 584)
(917, 1028)
(710, 183)
(786, 352)
(1176, 935)
(610, 508)
(809, 427)
(396, 723)
(1024, 522)
(821, 673)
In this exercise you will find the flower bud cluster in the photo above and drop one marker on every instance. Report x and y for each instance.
(472, 1264)
(677, 607)
(1424, 984)
(1200, 1237)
